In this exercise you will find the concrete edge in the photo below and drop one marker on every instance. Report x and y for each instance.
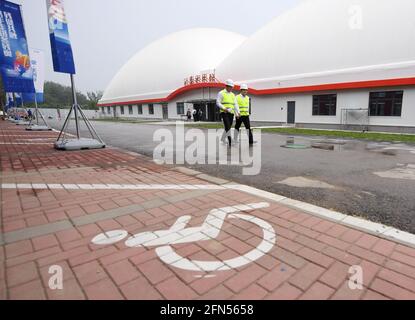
(212, 179)
(375, 229)
(33, 232)
(187, 171)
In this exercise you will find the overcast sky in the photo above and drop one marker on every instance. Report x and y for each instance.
(106, 33)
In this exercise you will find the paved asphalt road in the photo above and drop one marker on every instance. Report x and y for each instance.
(371, 180)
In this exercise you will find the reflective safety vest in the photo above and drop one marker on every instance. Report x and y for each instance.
(228, 101)
(243, 103)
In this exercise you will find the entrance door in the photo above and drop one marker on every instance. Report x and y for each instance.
(291, 112)
(165, 112)
(213, 112)
(200, 107)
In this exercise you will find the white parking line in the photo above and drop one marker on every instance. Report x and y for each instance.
(39, 186)
(25, 144)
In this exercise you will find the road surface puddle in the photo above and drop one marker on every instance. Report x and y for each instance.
(301, 182)
(405, 172)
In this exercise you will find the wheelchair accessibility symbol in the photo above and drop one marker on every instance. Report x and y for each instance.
(210, 230)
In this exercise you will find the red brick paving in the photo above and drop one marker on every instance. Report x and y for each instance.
(311, 259)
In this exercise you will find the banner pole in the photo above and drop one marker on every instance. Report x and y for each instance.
(14, 100)
(75, 106)
(65, 63)
(37, 111)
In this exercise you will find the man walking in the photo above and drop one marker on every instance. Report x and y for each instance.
(228, 106)
(244, 103)
(189, 115)
(200, 115)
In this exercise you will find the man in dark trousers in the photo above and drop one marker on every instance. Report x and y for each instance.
(244, 104)
(200, 115)
(189, 115)
(228, 106)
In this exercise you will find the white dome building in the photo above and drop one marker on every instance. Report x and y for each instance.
(312, 66)
(160, 69)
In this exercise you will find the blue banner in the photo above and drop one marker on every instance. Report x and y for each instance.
(62, 54)
(37, 64)
(14, 53)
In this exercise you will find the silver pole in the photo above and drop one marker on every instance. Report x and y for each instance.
(43, 118)
(75, 106)
(37, 110)
(90, 126)
(14, 100)
(63, 131)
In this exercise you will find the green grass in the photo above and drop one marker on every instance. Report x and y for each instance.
(205, 125)
(372, 136)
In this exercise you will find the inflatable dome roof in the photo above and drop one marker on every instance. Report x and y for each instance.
(160, 68)
(326, 41)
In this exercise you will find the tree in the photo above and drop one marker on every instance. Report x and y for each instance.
(59, 96)
(94, 98)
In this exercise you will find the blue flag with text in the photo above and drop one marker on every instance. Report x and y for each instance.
(62, 54)
(15, 67)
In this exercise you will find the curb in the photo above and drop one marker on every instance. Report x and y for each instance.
(375, 229)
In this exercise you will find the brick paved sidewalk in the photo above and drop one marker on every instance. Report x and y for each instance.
(54, 203)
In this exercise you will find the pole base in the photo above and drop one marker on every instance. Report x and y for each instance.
(76, 145)
(22, 123)
(36, 127)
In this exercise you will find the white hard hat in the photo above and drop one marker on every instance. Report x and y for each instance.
(230, 83)
(244, 87)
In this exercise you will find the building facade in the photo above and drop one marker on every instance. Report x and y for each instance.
(324, 64)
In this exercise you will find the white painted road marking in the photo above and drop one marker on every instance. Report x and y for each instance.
(167, 253)
(179, 234)
(111, 186)
(111, 237)
(25, 144)
(210, 230)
